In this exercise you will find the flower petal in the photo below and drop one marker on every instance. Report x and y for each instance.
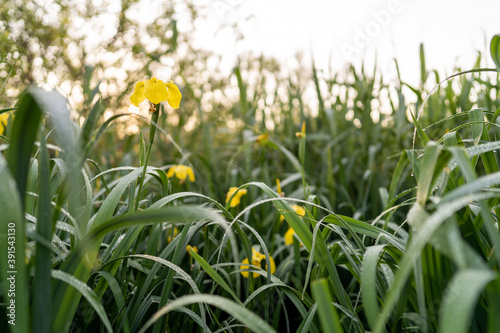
(155, 90)
(138, 95)
(299, 210)
(180, 172)
(245, 261)
(273, 265)
(289, 236)
(174, 95)
(171, 171)
(230, 194)
(190, 174)
(4, 119)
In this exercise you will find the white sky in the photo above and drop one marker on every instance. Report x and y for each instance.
(340, 31)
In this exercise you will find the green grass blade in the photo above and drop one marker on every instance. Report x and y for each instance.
(421, 133)
(366, 229)
(418, 242)
(213, 274)
(24, 133)
(369, 283)
(43, 260)
(161, 324)
(476, 118)
(12, 247)
(88, 293)
(305, 326)
(461, 298)
(397, 177)
(89, 125)
(251, 320)
(495, 50)
(327, 313)
(430, 160)
(116, 290)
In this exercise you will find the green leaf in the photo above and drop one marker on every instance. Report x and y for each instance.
(43, 259)
(397, 177)
(308, 320)
(88, 293)
(365, 229)
(116, 290)
(213, 274)
(495, 50)
(421, 134)
(248, 318)
(327, 313)
(414, 249)
(369, 282)
(461, 298)
(12, 241)
(430, 160)
(477, 123)
(24, 133)
(88, 128)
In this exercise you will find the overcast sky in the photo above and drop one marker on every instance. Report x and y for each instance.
(339, 31)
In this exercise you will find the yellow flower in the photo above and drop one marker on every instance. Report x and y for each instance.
(194, 248)
(302, 134)
(262, 139)
(298, 209)
(181, 172)
(256, 259)
(4, 118)
(289, 237)
(278, 188)
(156, 91)
(235, 201)
(171, 234)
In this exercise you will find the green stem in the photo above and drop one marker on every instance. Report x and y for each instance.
(152, 131)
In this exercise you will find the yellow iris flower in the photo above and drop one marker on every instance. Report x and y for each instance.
(171, 234)
(256, 259)
(156, 91)
(181, 172)
(298, 209)
(4, 118)
(235, 201)
(195, 249)
(289, 237)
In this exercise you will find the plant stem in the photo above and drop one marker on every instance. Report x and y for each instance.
(152, 131)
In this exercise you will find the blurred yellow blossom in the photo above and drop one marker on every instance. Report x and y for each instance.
(156, 91)
(302, 134)
(256, 259)
(4, 118)
(171, 234)
(235, 201)
(289, 236)
(181, 172)
(189, 247)
(262, 139)
(298, 209)
(278, 188)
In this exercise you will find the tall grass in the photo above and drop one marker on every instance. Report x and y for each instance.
(399, 230)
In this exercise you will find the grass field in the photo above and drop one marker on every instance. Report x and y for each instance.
(375, 210)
